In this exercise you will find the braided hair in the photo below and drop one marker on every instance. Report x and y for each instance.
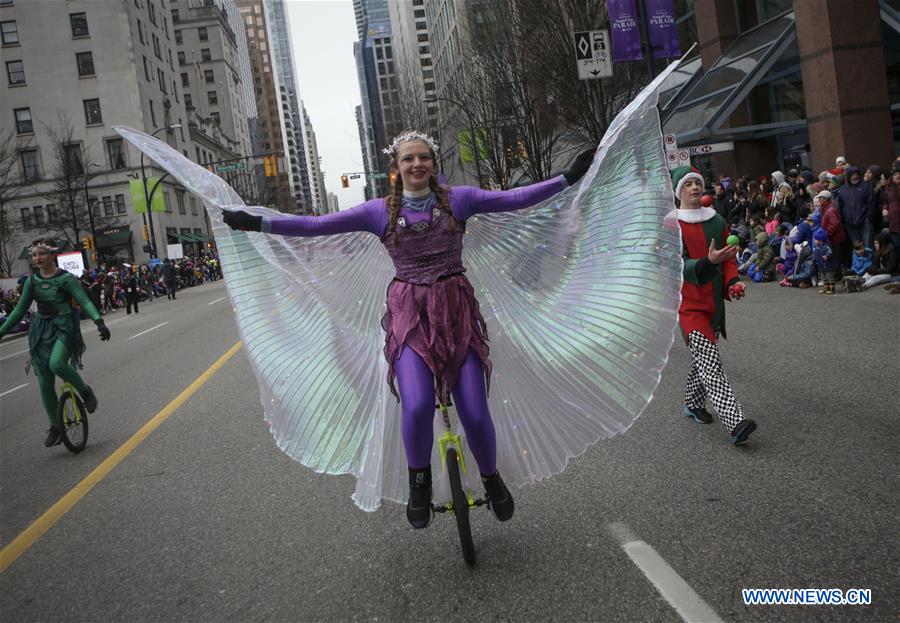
(395, 200)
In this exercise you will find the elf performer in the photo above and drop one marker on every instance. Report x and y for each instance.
(710, 278)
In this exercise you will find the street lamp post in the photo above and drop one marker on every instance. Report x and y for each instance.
(90, 208)
(148, 194)
(473, 143)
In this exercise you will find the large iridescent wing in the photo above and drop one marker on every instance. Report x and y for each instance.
(309, 312)
(580, 295)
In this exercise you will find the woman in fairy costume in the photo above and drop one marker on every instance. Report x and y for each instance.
(54, 336)
(436, 343)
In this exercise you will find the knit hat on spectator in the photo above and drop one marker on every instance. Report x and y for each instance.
(682, 174)
(820, 234)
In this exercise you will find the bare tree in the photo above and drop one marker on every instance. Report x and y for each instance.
(66, 189)
(11, 184)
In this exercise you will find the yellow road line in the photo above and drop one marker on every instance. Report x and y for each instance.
(32, 533)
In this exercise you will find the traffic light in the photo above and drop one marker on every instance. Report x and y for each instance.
(345, 181)
(392, 177)
(146, 233)
(86, 243)
(271, 165)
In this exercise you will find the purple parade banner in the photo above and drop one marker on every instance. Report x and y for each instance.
(624, 30)
(661, 27)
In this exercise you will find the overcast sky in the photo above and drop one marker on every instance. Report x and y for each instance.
(322, 33)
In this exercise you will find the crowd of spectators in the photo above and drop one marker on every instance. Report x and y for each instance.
(836, 229)
(111, 285)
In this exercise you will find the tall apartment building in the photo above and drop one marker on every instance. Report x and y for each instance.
(316, 177)
(377, 83)
(276, 191)
(290, 104)
(414, 63)
(110, 63)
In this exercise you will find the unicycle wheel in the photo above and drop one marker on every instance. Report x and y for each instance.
(460, 508)
(73, 421)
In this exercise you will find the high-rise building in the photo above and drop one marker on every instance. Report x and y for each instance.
(276, 190)
(411, 39)
(110, 63)
(290, 103)
(317, 179)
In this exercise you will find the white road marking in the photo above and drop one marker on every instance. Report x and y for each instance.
(216, 301)
(149, 330)
(9, 391)
(688, 604)
(14, 354)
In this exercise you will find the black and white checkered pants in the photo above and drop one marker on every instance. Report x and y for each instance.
(707, 379)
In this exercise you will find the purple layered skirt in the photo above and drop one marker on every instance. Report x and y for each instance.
(440, 322)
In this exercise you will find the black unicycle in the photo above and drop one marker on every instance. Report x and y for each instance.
(73, 420)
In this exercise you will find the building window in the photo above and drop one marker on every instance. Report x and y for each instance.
(73, 162)
(185, 80)
(26, 218)
(151, 12)
(152, 114)
(175, 17)
(179, 197)
(6, 2)
(205, 56)
(9, 33)
(212, 97)
(30, 168)
(108, 206)
(146, 69)
(156, 51)
(209, 76)
(38, 212)
(23, 121)
(92, 114)
(193, 205)
(178, 37)
(168, 201)
(419, 13)
(141, 32)
(85, 61)
(161, 80)
(79, 24)
(215, 117)
(15, 72)
(120, 204)
(188, 101)
(115, 148)
(181, 60)
(52, 215)
(203, 34)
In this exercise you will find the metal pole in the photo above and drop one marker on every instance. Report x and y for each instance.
(148, 194)
(90, 211)
(645, 39)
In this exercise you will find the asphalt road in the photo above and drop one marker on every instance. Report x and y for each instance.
(206, 520)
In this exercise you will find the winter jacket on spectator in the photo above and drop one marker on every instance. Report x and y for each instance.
(765, 257)
(790, 262)
(891, 203)
(831, 223)
(825, 259)
(885, 260)
(805, 232)
(723, 205)
(855, 201)
(861, 263)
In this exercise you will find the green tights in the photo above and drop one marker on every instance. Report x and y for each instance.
(59, 366)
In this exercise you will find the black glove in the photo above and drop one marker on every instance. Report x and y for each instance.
(580, 166)
(103, 329)
(244, 221)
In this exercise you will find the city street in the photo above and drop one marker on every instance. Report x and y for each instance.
(206, 520)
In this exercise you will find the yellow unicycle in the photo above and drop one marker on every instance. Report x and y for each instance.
(453, 461)
(72, 417)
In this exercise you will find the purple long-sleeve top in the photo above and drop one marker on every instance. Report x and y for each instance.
(372, 217)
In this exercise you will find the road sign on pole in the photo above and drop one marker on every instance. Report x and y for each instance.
(592, 54)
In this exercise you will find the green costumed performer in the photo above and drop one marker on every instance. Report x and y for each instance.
(54, 335)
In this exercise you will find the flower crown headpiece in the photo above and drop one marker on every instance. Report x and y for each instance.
(41, 245)
(391, 149)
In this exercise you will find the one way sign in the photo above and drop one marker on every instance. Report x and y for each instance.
(592, 54)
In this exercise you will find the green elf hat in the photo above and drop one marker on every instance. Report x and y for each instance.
(682, 174)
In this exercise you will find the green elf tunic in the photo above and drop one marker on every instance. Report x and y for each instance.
(55, 318)
(705, 287)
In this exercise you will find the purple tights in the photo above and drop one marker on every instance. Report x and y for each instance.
(417, 399)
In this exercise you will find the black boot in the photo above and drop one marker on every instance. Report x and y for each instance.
(500, 498)
(53, 437)
(418, 508)
(90, 399)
